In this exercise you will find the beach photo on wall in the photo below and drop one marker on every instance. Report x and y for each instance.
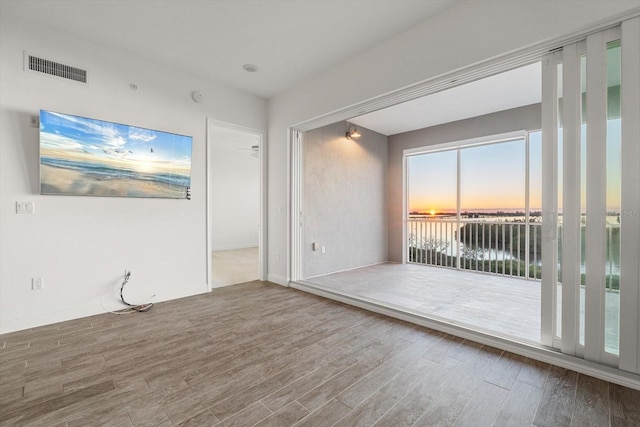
(80, 156)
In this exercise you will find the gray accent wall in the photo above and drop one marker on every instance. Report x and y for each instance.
(523, 118)
(344, 199)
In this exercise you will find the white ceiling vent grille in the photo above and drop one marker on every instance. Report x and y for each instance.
(53, 68)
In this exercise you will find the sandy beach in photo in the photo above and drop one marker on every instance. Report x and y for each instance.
(70, 182)
(80, 156)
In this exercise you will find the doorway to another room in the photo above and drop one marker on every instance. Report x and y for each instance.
(235, 205)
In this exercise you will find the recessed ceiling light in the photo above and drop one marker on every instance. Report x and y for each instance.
(250, 68)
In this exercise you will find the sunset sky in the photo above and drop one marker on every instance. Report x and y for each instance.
(493, 178)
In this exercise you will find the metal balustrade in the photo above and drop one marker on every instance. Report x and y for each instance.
(497, 247)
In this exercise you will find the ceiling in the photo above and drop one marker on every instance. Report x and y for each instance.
(511, 89)
(289, 41)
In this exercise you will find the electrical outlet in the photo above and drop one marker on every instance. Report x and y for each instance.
(323, 249)
(36, 283)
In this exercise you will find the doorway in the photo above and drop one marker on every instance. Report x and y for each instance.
(589, 299)
(235, 240)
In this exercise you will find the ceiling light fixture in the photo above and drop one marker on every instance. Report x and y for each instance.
(250, 68)
(353, 132)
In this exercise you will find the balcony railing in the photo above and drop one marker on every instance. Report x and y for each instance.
(496, 247)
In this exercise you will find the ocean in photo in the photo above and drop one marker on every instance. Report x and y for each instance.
(72, 177)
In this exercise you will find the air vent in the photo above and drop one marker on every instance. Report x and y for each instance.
(41, 65)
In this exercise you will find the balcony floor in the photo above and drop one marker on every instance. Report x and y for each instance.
(501, 305)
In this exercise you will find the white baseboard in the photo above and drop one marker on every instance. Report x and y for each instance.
(277, 279)
(49, 318)
(350, 269)
(99, 307)
(542, 354)
(236, 246)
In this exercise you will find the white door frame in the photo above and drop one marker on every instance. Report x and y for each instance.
(630, 240)
(262, 232)
(549, 199)
(295, 218)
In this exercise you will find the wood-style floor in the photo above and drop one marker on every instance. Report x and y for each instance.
(260, 354)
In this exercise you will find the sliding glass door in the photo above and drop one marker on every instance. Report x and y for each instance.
(469, 205)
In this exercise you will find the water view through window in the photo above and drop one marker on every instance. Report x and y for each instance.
(613, 194)
(468, 208)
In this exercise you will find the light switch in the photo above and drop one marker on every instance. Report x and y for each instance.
(25, 207)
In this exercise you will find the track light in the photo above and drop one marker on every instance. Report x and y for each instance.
(353, 132)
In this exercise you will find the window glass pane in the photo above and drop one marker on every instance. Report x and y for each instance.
(492, 180)
(535, 175)
(492, 206)
(535, 205)
(432, 206)
(613, 196)
(432, 180)
(560, 190)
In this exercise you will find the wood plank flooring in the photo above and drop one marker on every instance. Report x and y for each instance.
(258, 354)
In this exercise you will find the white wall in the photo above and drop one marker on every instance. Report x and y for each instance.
(235, 190)
(81, 245)
(344, 199)
(466, 34)
(523, 118)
